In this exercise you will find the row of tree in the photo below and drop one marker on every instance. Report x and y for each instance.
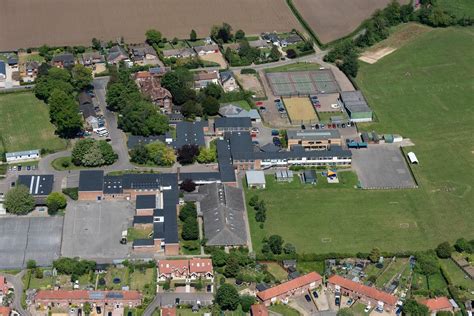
(58, 87)
(155, 153)
(93, 153)
(137, 115)
(276, 245)
(260, 209)
(19, 201)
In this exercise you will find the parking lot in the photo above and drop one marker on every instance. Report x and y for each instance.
(25, 238)
(92, 230)
(382, 166)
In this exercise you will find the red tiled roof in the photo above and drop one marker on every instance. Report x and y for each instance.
(197, 265)
(170, 266)
(168, 311)
(5, 311)
(289, 286)
(142, 74)
(438, 303)
(85, 295)
(259, 310)
(368, 291)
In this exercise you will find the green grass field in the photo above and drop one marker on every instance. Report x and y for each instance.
(459, 7)
(25, 124)
(457, 276)
(277, 271)
(294, 67)
(422, 91)
(242, 103)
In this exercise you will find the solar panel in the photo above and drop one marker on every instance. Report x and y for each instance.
(116, 295)
(96, 295)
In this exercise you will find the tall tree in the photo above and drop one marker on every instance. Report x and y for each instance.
(153, 37)
(227, 297)
(239, 35)
(276, 244)
(210, 106)
(187, 154)
(81, 77)
(193, 36)
(19, 200)
(55, 201)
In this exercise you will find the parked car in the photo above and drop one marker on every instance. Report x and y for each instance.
(349, 302)
(367, 309)
(275, 132)
(255, 130)
(255, 142)
(315, 294)
(277, 142)
(308, 299)
(263, 109)
(19, 168)
(259, 103)
(303, 127)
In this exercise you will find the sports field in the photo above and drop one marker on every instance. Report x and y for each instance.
(422, 91)
(25, 124)
(300, 110)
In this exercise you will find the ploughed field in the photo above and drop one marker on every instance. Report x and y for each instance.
(331, 20)
(31, 23)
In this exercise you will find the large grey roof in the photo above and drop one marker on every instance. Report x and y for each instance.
(91, 180)
(38, 185)
(146, 201)
(190, 133)
(354, 101)
(224, 158)
(229, 122)
(223, 211)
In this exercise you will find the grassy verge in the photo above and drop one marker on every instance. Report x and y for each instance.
(294, 67)
(242, 103)
(284, 310)
(137, 233)
(65, 163)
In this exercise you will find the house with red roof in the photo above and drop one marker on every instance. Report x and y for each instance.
(201, 268)
(168, 311)
(173, 269)
(3, 285)
(365, 294)
(5, 311)
(283, 292)
(185, 269)
(258, 310)
(66, 298)
(439, 304)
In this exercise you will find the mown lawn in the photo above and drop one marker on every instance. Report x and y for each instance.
(396, 267)
(422, 91)
(459, 7)
(242, 103)
(277, 271)
(25, 124)
(457, 276)
(294, 67)
(310, 266)
(284, 310)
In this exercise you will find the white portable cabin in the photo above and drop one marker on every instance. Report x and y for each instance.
(22, 155)
(412, 157)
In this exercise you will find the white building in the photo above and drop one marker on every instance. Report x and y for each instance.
(255, 179)
(19, 156)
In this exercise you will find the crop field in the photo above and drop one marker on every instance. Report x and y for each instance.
(331, 20)
(422, 91)
(31, 23)
(25, 124)
(459, 7)
(300, 110)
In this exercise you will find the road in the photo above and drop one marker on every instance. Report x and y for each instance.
(16, 281)
(169, 299)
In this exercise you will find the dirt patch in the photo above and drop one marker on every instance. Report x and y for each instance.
(331, 19)
(373, 57)
(300, 110)
(251, 83)
(32, 23)
(215, 58)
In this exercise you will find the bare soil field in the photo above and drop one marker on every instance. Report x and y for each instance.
(300, 110)
(250, 82)
(331, 20)
(31, 23)
(215, 58)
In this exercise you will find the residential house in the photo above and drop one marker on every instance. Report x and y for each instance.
(65, 60)
(87, 109)
(116, 54)
(206, 49)
(173, 269)
(201, 268)
(3, 72)
(204, 78)
(108, 300)
(168, 311)
(228, 81)
(272, 38)
(4, 287)
(39, 186)
(5, 311)
(284, 291)
(150, 86)
(259, 44)
(231, 46)
(365, 294)
(184, 52)
(231, 110)
(12, 62)
(440, 304)
(18, 156)
(93, 60)
(31, 71)
(258, 310)
(143, 54)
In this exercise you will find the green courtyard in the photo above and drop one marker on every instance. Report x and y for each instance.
(25, 124)
(422, 91)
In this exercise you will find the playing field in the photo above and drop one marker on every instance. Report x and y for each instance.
(459, 7)
(304, 83)
(422, 91)
(25, 124)
(300, 110)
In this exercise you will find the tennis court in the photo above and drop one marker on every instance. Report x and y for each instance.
(300, 110)
(302, 83)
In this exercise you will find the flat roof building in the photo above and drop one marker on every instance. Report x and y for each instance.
(314, 139)
(356, 106)
(39, 186)
(18, 156)
(255, 179)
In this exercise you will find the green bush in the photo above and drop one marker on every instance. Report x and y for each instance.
(247, 71)
(73, 193)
